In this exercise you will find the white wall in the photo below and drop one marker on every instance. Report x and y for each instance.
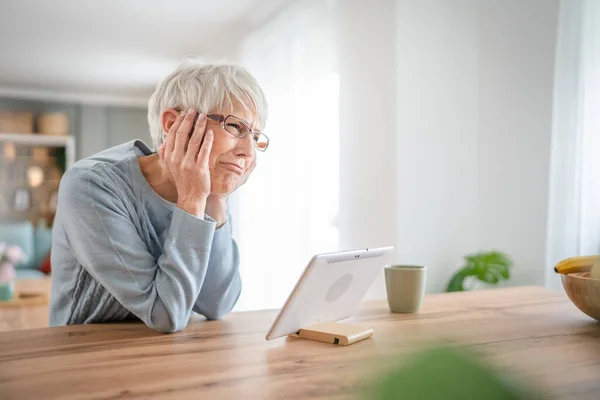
(102, 127)
(517, 59)
(367, 42)
(474, 102)
(437, 142)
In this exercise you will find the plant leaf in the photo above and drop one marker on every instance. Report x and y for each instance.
(456, 283)
(489, 267)
(490, 278)
(503, 270)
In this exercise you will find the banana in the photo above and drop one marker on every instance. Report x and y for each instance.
(577, 264)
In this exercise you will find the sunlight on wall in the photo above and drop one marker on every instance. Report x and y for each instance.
(285, 214)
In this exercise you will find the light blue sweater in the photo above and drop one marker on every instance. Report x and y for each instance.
(121, 252)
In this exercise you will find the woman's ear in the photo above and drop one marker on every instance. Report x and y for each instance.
(167, 118)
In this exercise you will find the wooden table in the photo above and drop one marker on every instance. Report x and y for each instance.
(536, 334)
(27, 315)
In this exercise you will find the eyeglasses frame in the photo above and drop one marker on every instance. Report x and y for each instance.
(220, 118)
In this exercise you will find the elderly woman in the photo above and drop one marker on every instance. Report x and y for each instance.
(146, 235)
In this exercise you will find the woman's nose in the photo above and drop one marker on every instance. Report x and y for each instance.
(245, 146)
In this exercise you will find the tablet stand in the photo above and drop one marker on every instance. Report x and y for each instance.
(335, 333)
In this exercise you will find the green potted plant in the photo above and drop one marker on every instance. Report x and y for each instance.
(489, 267)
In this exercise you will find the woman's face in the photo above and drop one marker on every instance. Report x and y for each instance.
(230, 157)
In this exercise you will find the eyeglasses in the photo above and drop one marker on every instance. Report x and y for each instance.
(240, 129)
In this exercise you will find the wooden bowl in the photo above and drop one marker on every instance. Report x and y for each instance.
(584, 292)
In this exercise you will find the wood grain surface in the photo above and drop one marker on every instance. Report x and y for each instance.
(27, 312)
(538, 336)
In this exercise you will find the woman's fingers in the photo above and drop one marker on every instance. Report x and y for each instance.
(183, 133)
(196, 139)
(204, 152)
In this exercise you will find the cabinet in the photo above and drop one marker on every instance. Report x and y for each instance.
(31, 166)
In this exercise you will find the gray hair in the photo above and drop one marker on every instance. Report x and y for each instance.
(207, 87)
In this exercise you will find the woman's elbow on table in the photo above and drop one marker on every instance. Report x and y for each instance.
(216, 305)
(166, 327)
(216, 313)
(217, 309)
(162, 321)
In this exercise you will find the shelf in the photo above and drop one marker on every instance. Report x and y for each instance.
(36, 139)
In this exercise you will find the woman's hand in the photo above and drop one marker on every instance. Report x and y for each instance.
(186, 161)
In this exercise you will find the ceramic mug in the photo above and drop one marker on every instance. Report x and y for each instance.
(405, 285)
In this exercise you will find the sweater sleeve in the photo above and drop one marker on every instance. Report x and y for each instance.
(105, 240)
(222, 285)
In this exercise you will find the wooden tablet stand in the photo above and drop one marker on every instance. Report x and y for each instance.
(335, 333)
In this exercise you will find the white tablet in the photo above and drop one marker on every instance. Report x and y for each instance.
(330, 289)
